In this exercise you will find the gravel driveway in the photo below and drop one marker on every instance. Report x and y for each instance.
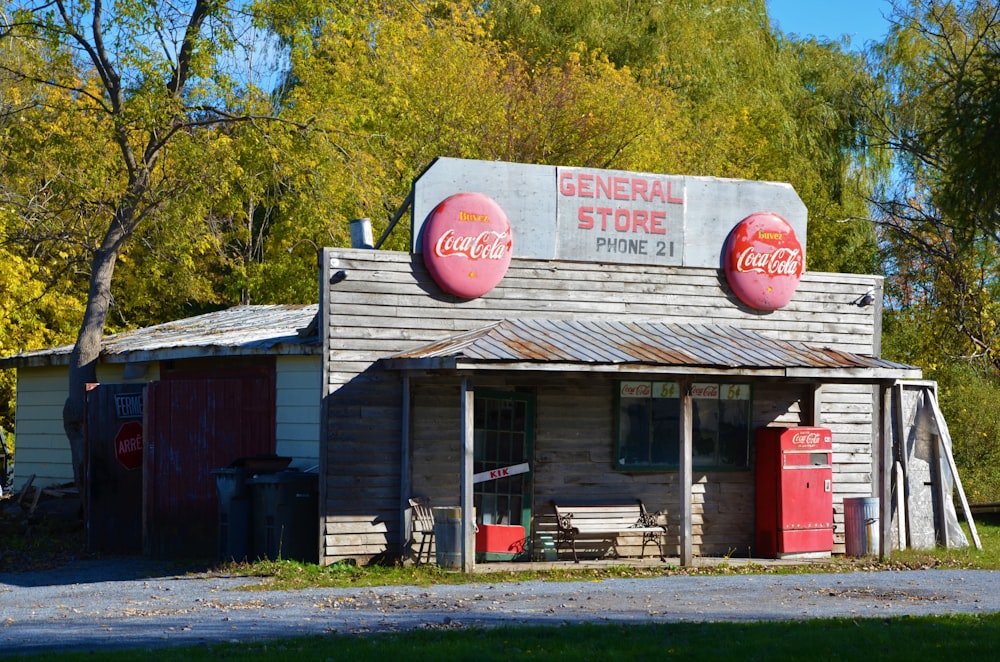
(126, 603)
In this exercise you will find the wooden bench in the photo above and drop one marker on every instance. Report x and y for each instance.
(608, 521)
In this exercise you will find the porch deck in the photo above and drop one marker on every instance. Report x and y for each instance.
(655, 562)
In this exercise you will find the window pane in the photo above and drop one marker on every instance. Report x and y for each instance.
(649, 429)
(633, 431)
(705, 434)
(666, 431)
(520, 414)
(734, 432)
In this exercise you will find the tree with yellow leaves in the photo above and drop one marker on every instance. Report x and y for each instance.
(141, 89)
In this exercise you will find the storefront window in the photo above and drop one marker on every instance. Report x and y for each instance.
(649, 425)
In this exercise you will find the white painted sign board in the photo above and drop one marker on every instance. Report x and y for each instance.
(610, 216)
(503, 472)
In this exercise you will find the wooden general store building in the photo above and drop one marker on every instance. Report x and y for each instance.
(583, 336)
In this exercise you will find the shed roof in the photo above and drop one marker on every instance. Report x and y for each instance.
(237, 331)
(646, 346)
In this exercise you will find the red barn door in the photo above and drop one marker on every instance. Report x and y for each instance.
(194, 426)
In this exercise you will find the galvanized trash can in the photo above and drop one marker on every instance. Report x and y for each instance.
(235, 530)
(861, 526)
(448, 536)
(286, 516)
(234, 514)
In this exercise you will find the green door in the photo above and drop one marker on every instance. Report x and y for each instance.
(503, 444)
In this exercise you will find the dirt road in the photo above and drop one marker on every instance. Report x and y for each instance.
(136, 603)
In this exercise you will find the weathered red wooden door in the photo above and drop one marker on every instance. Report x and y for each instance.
(113, 476)
(196, 425)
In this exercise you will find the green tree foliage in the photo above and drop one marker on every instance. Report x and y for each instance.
(138, 89)
(388, 87)
(935, 111)
(699, 88)
(38, 304)
(968, 401)
(752, 103)
(32, 314)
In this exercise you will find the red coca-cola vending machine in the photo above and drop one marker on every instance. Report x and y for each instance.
(794, 503)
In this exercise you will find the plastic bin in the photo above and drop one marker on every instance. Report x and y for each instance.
(234, 514)
(286, 516)
(448, 536)
(861, 526)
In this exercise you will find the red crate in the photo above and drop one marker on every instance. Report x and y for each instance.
(499, 542)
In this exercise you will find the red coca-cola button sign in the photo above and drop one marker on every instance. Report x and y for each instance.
(763, 261)
(467, 244)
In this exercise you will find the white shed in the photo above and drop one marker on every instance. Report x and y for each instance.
(285, 334)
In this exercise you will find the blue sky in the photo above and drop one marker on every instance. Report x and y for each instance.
(860, 19)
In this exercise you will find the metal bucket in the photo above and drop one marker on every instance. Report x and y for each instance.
(861, 526)
(448, 536)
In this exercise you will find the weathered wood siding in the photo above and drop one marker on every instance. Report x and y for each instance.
(388, 303)
(848, 412)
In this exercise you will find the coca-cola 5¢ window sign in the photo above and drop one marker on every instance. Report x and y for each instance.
(467, 244)
(763, 261)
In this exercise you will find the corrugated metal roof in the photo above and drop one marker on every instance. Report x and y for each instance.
(258, 329)
(616, 343)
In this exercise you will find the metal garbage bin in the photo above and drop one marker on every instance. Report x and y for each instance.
(448, 536)
(234, 513)
(861, 526)
(286, 516)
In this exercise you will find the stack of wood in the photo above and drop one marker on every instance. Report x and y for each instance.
(26, 500)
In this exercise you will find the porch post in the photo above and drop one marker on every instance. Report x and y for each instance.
(468, 441)
(884, 466)
(816, 414)
(405, 477)
(685, 472)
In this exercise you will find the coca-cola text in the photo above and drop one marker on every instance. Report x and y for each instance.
(779, 262)
(806, 438)
(636, 389)
(488, 245)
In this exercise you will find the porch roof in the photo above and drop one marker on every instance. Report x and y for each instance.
(657, 347)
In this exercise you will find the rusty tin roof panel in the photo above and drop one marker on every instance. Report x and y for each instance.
(651, 343)
(256, 329)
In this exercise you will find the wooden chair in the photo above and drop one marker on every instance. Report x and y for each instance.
(423, 525)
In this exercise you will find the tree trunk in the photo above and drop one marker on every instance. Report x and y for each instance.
(83, 360)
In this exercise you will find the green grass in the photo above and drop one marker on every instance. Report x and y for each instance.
(964, 637)
(291, 575)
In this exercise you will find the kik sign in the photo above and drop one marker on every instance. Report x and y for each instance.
(502, 472)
